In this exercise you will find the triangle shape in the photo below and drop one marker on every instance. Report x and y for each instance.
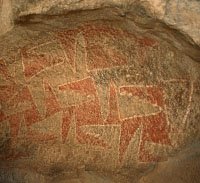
(132, 106)
(80, 92)
(84, 86)
(35, 60)
(140, 101)
(33, 64)
(107, 133)
(90, 111)
(179, 95)
(52, 105)
(128, 129)
(24, 98)
(49, 126)
(36, 88)
(68, 41)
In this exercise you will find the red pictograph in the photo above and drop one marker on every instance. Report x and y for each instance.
(68, 41)
(102, 53)
(35, 61)
(105, 45)
(20, 107)
(86, 113)
(152, 94)
(101, 48)
(52, 105)
(29, 110)
(154, 127)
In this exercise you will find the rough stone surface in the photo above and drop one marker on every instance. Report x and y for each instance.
(179, 18)
(6, 17)
(181, 14)
(103, 95)
(182, 168)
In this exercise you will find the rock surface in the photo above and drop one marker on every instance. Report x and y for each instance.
(6, 16)
(180, 18)
(182, 168)
(110, 94)
(180, 14)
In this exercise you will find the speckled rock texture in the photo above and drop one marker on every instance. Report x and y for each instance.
(179, 18)
(179, 14)
(103, 95)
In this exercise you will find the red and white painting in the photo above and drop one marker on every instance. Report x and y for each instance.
(78, 99)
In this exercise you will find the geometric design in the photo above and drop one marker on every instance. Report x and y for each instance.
(30, 112)
(102, 57)
(37, 59)
(50, 126)
(101, 46)
(103, 49)
(52, 105)
(143, 100)
(179, 94)
(132, 109)
(21, 111)
(107, 133)
(37, 137)
(68, 42)
(87, 113)
(130, 106)
(154, 127)
(103, 54)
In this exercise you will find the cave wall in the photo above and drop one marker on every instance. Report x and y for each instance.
(95, 91)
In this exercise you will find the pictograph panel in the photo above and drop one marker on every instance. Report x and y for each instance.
(65, 71)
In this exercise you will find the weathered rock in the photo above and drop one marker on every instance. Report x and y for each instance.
(94, 93)
(181, 14)
(111, 94)
(14, 175)
(182, 168)
(179, 19)
(167, 18)
(6, 17)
